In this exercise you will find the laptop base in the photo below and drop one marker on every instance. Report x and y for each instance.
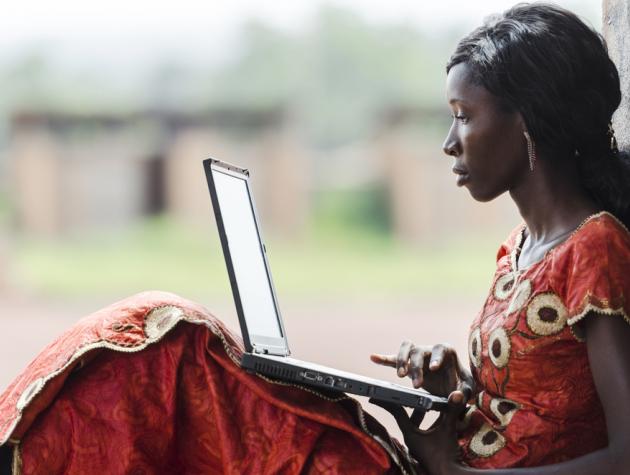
(321, 377)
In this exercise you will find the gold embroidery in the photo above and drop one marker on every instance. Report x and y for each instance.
(487, 441)
(480, 399)
(546, 314)
(161, 320)
(505, 286)
(499, 347)
(578, 333)
(521, 295)
(601, 310)
(474, 347)
(521, 237)
(602, 213)
(33, 390)
(29, 393)
(504, 410)
(16, 466)
(123, 327)
(516, 250)
(158, 322)
(590, 308)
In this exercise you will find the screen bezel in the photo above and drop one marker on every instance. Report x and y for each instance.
(253, 343)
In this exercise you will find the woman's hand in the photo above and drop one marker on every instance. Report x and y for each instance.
(436, 449)
(436, 369)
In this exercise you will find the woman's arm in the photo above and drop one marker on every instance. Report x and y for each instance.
(608, 343)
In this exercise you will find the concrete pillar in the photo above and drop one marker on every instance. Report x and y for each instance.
(35, 187)
(284, 193)
(616, 21)
(410, 188)
(187, 197)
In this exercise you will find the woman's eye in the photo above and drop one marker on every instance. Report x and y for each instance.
(461, 118)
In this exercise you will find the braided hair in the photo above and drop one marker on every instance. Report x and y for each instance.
(547, 64)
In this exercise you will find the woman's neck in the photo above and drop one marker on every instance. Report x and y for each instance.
(552, 201)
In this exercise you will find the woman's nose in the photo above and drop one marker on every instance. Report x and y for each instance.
(450, 146)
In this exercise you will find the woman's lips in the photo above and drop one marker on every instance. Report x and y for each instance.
(462, 176)
(462, 179)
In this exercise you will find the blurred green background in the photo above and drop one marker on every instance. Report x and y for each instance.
(339, 73)
(337, 108)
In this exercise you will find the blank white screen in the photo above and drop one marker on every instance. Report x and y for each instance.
(247, 258)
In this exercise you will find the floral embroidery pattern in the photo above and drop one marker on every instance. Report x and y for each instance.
(474, 347)
(504, 410)
(546, 314)
(499, 347)
(487, 441)
(120, 387)
(521, 295)
(531, 317)
(504, 286)
(480, 399)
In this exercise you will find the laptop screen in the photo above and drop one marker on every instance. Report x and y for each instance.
(246, 252)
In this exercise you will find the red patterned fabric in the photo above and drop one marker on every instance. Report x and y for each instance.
(538, 403)
(152, 385)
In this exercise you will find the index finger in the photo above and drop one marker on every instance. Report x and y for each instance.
(385, 360)
(438, 354)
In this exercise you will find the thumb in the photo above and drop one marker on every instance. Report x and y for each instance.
(465, 388)
(402, 419)
(457, 398)
(456, 404)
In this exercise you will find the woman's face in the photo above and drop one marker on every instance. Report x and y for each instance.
(485, 141)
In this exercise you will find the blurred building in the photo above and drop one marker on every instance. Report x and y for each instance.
(73, 173)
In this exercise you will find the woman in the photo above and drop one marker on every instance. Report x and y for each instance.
(532, 93)
(131, 390)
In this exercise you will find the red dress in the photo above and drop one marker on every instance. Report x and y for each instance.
(152, 385)
(538, 403)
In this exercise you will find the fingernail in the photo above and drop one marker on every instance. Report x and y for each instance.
(401, 371)
(433, 365)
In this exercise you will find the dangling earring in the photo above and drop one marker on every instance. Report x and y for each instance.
(531, 150)
(613, 139)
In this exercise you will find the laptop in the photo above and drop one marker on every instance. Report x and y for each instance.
(263, 330)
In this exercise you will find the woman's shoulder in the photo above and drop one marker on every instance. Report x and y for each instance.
(601, 235)
(592, 269)
(605, 223)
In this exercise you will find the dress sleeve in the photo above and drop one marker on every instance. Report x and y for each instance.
(597, 273)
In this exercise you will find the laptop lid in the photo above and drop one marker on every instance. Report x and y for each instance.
(245, 258)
